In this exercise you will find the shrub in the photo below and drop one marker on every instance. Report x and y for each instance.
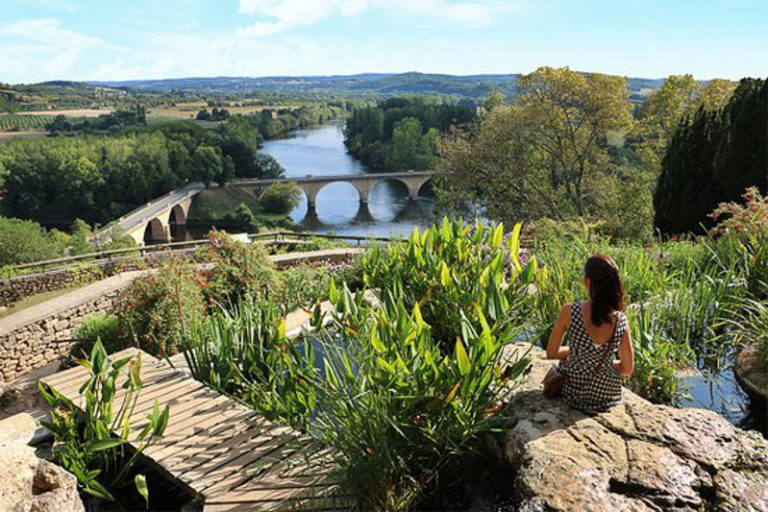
(244, 353)
(302, 286)
(243, 218)
(24, 241)
(449, 269)
(237, 270)
(155, 308)
(281, 198)
(100, 327)
(394, 409)
(84, 445)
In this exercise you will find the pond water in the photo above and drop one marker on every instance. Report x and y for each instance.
(321, 152)
(716, 387)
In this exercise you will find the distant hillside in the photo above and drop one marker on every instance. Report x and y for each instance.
(473, 86)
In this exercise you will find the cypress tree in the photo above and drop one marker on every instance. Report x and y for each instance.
(713, 157)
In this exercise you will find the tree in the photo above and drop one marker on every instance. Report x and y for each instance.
(23, 241)
(405, 146)
(208, 164)
(661, 113)
(267, 167)
(716, 93)
(281, 198)
(545, 155)
(712, 158)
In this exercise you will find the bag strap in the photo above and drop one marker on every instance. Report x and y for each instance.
(607, 351)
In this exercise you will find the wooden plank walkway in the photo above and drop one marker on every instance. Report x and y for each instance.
(226, 455)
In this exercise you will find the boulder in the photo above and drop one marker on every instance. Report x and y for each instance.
(638, 456)
(752, 372)
(34, 485)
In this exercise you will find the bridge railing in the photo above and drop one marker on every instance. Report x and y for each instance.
(10, 271)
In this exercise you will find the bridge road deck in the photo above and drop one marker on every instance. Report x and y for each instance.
(224, 454)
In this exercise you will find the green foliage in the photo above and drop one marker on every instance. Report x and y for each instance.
(243, 352)
(395, 409)
(98, 178)
(18, 123)
(713, 156)
(155, 309)
(402, 133)
(302, 286)
(241, 217)
(24, 241)
(455, 270)
(545, 155)
(267, 166)
(103, 328)
(237, 270)
(281, 198)
(84, 443)
(105, 124)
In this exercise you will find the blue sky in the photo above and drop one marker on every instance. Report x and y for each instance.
(138, 39)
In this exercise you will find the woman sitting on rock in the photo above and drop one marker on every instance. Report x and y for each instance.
(596, 329)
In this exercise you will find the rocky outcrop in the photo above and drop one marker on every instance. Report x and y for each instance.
(752, 372)
(636, 457)
(30, 484)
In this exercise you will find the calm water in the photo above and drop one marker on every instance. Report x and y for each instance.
(321, 152)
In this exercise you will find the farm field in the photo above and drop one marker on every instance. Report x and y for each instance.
(29, 134)
(75, 112)
(190, 110)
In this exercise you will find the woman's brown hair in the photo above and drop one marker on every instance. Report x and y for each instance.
(605, 290)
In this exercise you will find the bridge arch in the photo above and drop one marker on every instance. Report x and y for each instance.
(312, 190)
(156, 231)
(177, 215)
(425, 185)
(399, 183)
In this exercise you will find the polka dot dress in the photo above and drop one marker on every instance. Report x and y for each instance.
(591, 384)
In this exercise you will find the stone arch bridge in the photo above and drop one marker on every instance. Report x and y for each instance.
(363, 183)
(152, 222)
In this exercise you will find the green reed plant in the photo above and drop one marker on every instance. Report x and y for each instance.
(449, 269)
(84, 444)
(394, 408)
(242, 351)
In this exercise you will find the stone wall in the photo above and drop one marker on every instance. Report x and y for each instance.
(42, 334)
(16, 288)
(50, 339)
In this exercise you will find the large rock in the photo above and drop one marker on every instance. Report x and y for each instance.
(636, 457)
(752, 372)
(30, 484)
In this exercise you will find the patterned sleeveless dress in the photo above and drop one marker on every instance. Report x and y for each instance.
(590, 385)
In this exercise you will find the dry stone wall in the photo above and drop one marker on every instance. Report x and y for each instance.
(16, 288)
(42, 334)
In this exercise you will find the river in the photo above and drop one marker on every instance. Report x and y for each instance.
(321, 152)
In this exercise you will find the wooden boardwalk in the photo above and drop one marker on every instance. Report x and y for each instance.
(226, 455)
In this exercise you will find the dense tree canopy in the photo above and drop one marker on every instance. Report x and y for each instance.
(545, 155)
(98, 178)
(713, 156)
(401, 133)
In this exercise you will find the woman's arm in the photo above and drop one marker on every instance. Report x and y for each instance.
(626, 363)
(555, 350)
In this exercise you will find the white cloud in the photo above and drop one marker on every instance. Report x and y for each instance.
(43, 48)
(277, 16)
(287, 14)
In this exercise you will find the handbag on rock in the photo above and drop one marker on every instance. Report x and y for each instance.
(553, 381)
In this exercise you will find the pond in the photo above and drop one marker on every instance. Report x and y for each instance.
(320, 151)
